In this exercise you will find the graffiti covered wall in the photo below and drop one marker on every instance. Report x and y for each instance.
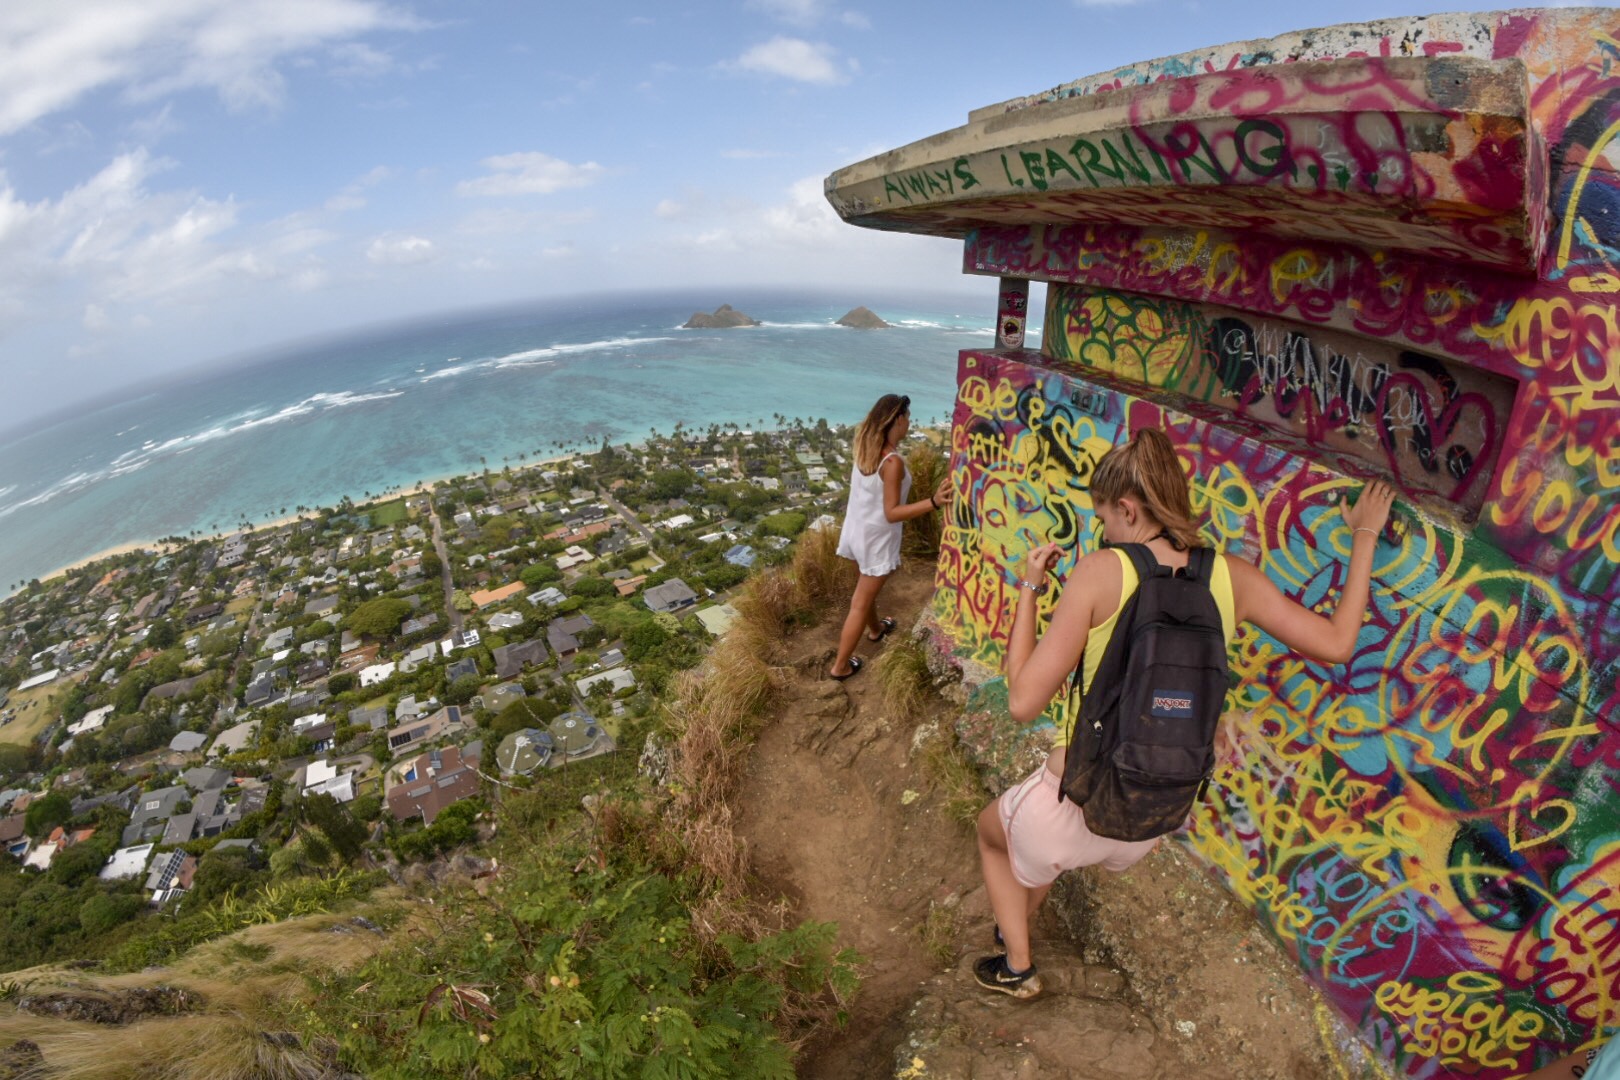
(1385, 250)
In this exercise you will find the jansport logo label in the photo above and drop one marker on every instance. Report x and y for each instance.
(1172, 703)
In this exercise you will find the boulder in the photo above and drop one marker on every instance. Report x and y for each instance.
(725, 316)
(22, 1058)
(112, 1007)
(863, 318)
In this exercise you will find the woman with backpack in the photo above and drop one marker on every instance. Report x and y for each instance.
(879, 485)
(1139, 491)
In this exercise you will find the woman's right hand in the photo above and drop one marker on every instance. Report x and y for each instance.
(1040, 561)
(944, 493)
(1371, 510)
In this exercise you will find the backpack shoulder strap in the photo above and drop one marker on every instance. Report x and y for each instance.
(1201, 565)
(1142, 559)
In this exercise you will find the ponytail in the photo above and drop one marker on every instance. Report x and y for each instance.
(1146, 468)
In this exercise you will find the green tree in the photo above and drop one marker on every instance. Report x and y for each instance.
(788, 523)
(529, 712)
(47, 813)
(537, 575)
(162, 635)
(378, 618)
(338, 827)
(77, 864)
(462, 690)
(104, 911)
(592, 588)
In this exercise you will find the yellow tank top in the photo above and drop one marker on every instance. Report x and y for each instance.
(1097, 638)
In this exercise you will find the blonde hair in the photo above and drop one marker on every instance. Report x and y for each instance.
(1147, 469)
(872, 434)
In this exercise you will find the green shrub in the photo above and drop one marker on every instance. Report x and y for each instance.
(103, 911)
(789, 523)
(591, 967)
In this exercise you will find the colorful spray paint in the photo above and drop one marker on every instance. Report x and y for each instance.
(1384, 250)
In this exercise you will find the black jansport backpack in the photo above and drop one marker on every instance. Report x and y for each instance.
(1144, 744)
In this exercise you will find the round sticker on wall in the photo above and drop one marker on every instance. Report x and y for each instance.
(1012, 333)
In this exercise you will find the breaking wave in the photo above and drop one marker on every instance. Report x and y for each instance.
(152, 450)
(533, 357)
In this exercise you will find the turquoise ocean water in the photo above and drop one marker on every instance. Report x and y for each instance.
(438, 397)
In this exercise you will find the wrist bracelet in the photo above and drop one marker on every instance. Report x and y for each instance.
(1038, 590)
(1363, 528)
(932, 503)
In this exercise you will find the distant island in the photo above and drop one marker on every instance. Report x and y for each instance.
(863, 318)
(724, 317)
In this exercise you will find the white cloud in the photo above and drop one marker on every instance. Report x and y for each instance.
(529, 174)
(508, 222)
(357, 60)
(793, 58)
(57, 53)
(390, 249)
(797, 12)
(112, 245)
(155, 127)
(353, 196)
(668, 209)
(796, 239)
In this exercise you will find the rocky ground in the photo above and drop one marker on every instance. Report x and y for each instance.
(1153, 973)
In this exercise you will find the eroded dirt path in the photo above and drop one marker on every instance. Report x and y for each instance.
(841, 822)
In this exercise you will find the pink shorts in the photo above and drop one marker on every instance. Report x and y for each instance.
(1047, 835)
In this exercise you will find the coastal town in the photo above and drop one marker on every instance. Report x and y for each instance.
(355, 685)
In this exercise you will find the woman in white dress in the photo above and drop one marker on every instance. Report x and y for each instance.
(879, 485)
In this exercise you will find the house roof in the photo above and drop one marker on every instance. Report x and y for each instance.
(204, 778)
(717, 619)
(509, 659)
(127, 862)
(155, 805)
(442, 778)
(487, 597)
(374, 717)
(523, 751)
(187, 741)
(671, 594)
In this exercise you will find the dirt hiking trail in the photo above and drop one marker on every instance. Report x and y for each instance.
(1155, 973)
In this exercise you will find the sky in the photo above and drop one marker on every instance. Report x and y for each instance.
(187, 181)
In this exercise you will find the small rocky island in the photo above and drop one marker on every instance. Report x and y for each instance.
(724, 316)
(863, 318)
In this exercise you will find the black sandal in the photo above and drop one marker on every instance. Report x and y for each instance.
(855, 666)
(885, 626)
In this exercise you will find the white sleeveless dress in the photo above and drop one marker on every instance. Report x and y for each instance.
(867, 536)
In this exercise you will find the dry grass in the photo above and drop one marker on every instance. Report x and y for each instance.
(715, 715)
(37, 709)
(903, 679)
(765, 609)
(235, 1045)
(928, 467)
(939, 931)
(952, 775)
(821, 578)
(251, 984)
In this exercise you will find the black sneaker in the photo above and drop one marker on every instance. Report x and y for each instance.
(992, 973)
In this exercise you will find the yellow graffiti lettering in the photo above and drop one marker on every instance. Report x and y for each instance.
(1452, 1025)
